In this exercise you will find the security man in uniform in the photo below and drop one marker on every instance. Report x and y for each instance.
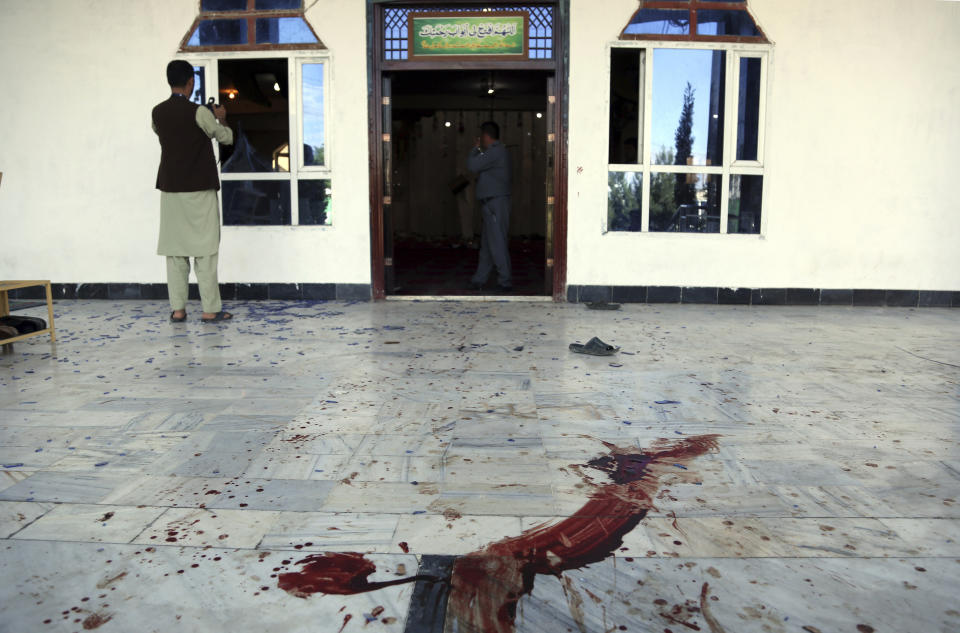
(490, 161)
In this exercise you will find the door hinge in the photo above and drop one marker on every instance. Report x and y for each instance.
(387, 200)
(386, 101)
(388, 261)
(386, 138)
(552, 99)
(551, 138)
(550, 262)
(549, 199)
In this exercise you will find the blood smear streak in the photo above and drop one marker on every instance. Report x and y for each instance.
(487, 585)
(339, 574)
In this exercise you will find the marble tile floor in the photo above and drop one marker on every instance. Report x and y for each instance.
(159, 477)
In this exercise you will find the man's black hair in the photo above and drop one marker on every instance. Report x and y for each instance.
(491, 129)
(179, 73)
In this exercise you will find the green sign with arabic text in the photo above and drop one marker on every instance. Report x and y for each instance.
(468, 35)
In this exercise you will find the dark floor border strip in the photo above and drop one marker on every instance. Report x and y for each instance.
(428, 604)
(228, 292)
(708, 295)
(765, 296)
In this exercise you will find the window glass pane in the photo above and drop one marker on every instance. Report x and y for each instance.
(688, 102)
(219, 33)
(254, 92)
(685, 203)
(315, 200)
(284, 31)
(275, 5)
(748, 111)
(256, 202)
(746, 200)
(624, 201)
(713, 22)
(223, 5)
(624, 105)
(659, 22)
(313, 115)
(199, 85)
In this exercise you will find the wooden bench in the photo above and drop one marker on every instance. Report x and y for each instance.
(6, 286)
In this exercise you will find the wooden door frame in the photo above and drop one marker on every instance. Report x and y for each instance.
(376, 66)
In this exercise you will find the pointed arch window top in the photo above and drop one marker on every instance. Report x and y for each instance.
(234, 25)
(694, 20)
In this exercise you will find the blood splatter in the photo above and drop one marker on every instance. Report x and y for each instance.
(705, 610)
(330, 573)
(487, 585)
(403, 545)
(96, 620)
(346, 620)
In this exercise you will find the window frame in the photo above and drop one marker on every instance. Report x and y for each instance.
(735, 51)
(295, 60)
(693, 7)
(250, 16)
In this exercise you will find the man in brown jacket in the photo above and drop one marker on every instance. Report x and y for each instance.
(188, 180)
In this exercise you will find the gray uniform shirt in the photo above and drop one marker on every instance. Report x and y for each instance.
(493, 170)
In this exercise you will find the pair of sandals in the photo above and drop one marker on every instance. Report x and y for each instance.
(219, 317)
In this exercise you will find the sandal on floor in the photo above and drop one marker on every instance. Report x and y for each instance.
(175, 319)
(219, 317)
(24, 325)
(594, 347)
(602, 305)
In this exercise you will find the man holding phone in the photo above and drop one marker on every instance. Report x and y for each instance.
(490, 161)
(188, 180)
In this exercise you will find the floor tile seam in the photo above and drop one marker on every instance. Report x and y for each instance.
(35, 519)
(150, 524)
(638, 557)
(131, 543)
(950, 469)
(768, 517)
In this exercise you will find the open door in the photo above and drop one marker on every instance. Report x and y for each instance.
(389, 271)
(551, 155)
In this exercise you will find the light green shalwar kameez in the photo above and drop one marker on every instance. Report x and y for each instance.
(190, 227)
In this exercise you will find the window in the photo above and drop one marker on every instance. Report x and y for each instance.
(229, 25)
(277, 172)
(687, 94)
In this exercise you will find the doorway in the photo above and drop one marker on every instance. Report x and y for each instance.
(425, 111)
(434, 220)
